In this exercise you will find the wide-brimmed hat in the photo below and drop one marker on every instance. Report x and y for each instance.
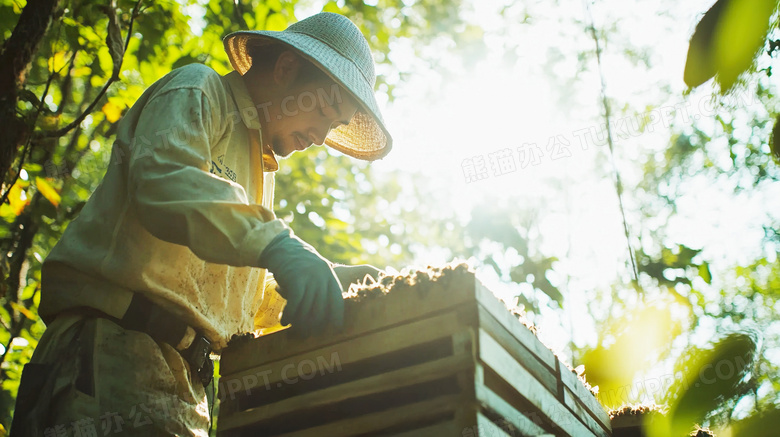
(336, 46)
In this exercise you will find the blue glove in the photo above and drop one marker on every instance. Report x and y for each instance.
(307, 281)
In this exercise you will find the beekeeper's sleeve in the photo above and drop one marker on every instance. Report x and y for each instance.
(177, 198)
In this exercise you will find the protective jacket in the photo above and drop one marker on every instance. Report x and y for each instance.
(182, 214)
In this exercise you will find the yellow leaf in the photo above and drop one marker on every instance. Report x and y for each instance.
(57, 62)
(96, 81)
(49, 122)
(17, 199)
(47, 191)
(331, 7)
(741, 33)
(27, 313)
(112, 111)
(81, 71)
(275, 5)
(276, 22)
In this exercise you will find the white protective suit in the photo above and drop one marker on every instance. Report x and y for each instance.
(182, 214)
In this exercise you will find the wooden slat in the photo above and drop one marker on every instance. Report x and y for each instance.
(518, 350)
(465, 342)
(585, 397)
(382, 420)
(494, 403)
(492, 311)
(501, 362)
(628, 421)
(356, 349)
(486, 428)
(527, 338)
(447, 428)
(581, 412)
(497, 310)
(376, 384)
(359, 319)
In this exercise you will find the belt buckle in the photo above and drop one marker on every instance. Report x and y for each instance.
(206, 373)
(198, 357)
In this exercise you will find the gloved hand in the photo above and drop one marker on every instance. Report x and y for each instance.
(307, 281)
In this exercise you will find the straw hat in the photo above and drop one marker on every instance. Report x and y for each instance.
(334, 44)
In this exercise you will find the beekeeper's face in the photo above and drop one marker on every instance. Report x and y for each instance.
(307, 115)
(302, 112)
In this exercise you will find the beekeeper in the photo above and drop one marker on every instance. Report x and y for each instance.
(168, 259)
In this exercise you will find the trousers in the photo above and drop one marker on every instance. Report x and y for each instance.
(90, 377)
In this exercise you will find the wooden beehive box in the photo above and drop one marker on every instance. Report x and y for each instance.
(446, 359)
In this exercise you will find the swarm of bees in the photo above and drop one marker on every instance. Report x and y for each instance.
(408, 279)
(636, 410)
(419, 281)
(648, 413)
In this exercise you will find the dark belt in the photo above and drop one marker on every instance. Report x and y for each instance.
(145, 316)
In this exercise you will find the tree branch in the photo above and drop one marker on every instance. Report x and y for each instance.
(238, 11)
(91, 107)
(610, 143)
(18, 51)
(27, 147)
(67, 85)
(15, 58)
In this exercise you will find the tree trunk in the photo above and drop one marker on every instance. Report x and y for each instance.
(15, 58)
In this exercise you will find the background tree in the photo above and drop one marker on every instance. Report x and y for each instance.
(723, 150)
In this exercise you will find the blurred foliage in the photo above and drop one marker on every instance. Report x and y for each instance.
(628, 345)
(726, 41)
(712, 380)
(721, 141)
(764, 424)
(732, 150)
(674, 266)
(506, 238)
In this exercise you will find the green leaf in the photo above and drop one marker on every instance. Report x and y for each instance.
(184, 60)
(774, 142)
(761, 424)
(704, 272)
(276, 22)
(114, 41)
(331, 7)
(27, 313)
(741, 33)
(710, 377)
(274, 5)
(699, 66)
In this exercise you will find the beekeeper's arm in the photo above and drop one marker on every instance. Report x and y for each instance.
(178, 200)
